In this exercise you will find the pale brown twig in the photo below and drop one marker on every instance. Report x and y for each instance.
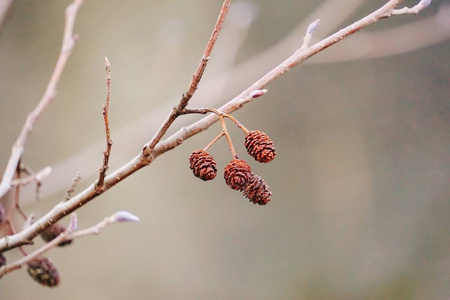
(67, 235)
(214, 140)
(38, 177)
(102, 172)
(19, 146)
(141, 160)
(196, 77)
(73, 185)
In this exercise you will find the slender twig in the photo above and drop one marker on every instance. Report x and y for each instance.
(309, 32)
(413, 10)
(69, 235)
(102, 172)
(227, 135)
(196, 77)
(140, 161)
(39, 176)
(214, 140)
(19, 146)
(73, 185)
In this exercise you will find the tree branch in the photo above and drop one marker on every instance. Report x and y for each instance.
(196, 77)
(107, 152)
(141, 160)
(68, 235)
(66, 49)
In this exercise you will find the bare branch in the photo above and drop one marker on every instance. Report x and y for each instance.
(141, 160)
(413, 10)
(196, 77)
(67, 235)
(107, 152)
(38, 177)
(66, 49)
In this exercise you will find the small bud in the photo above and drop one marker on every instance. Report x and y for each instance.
(260, 146)
(44, 272)
(51, 232)
(124, 216)
(312, 27)
(257, 93)
(73, 223)
(203, 165)
(2, 260)
(237, 174)
(257, 191)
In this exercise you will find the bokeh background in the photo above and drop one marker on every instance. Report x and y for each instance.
(360, 206)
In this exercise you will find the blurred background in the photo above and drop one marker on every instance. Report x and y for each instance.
(360, 206)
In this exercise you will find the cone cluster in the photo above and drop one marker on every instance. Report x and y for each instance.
(44, 272)
(238, 173)
(203, 165)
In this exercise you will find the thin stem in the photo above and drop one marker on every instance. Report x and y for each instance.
(227, 135)
(214, 140)
(73, 185)
(19, 146)
(65, 236)
(102, 171)
(235, 121)
(196, 77)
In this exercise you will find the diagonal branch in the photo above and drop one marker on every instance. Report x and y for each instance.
(70, 234)
(141, 160)
(66, 49)
(107, 152)
(196, 77)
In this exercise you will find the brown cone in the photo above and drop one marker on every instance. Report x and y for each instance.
(237, 174)
(260, 146)
(44, 272)
(203, 165)
(257, 191)
(50, 233)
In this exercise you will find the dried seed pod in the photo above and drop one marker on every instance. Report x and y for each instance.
(44, 272)
(237, 174)
(257, 191)
(50, 233)
(203, 165)
(260, 146)
(2, 260)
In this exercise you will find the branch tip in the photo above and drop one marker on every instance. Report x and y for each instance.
(73, 223)
(312, 27)
(124, 216)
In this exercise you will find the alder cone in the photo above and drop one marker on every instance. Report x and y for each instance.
(51, 232)
(257, 191)
(237, 174)
(203, 165)
(44, 272)
(260, 146)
